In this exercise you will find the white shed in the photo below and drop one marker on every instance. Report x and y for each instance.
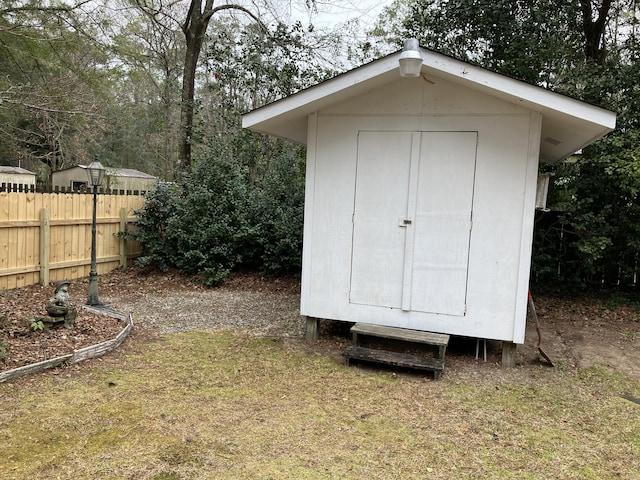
(420, 192)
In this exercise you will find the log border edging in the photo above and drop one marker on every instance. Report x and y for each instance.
(86, 353)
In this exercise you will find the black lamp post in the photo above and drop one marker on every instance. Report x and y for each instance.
(95, 172)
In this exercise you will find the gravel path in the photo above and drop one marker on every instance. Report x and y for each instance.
(261, 313)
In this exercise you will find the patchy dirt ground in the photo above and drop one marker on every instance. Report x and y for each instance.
(577, 332)
(582, 332)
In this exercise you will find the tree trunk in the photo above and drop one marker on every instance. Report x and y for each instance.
(594, 30)
(186, 107)
(194, 28)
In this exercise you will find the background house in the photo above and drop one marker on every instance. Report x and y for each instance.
(10, 176)
(421, 192)
(119, 179)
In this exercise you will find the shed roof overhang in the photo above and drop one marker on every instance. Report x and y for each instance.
(567, 124)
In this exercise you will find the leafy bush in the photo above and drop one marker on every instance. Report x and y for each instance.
(591, 238)
(153, 222)
(211, 224)
(228, 213)
(279, 215)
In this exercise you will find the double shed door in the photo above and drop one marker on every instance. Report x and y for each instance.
(412, 220)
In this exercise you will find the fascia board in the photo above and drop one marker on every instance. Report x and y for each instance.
(515, 91)
(326, 93)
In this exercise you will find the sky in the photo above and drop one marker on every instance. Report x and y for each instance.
(331, 13)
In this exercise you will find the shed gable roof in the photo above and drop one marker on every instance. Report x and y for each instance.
(567, 124)
(15, 171)
(114, 172)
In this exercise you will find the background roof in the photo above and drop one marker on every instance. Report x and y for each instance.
(119, 172)
(17, 170)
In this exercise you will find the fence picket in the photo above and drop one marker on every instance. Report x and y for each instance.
(12, 282)
(32, 237)
(4, 238)
(45, 245)
(22, 236)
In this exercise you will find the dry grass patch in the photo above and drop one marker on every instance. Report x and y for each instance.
(225, 405)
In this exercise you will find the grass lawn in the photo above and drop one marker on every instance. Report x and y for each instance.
(226, 405)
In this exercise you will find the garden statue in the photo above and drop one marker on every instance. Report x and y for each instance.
(60, 309)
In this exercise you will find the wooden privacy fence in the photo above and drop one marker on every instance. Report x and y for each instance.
(46, 237)
(28, 187)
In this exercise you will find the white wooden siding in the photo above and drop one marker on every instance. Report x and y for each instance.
(503, 163)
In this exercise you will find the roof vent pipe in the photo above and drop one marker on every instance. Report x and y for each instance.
(410, 59)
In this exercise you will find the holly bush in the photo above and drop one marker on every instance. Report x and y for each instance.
(227, 214)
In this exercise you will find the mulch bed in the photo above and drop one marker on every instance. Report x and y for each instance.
(20, 344)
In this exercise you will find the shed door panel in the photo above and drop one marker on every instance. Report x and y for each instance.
(443, 222)
(382, 188)
(412, 212)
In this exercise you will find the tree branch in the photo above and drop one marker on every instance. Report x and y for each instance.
(232, 6)
(41, 108)
(193, 5)
(594, 29)
(31, 8)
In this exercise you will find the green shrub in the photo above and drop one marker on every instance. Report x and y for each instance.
(212, 220)
(227, 214)
(279, 212)
(160, 207)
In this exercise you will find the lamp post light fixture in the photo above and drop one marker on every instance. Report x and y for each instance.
(410, 59)
(95, 172)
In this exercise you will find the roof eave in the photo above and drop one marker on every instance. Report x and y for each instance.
(287, 118)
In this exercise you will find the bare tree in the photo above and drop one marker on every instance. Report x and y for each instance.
(48, 108)
(194, 26)
(152, 53)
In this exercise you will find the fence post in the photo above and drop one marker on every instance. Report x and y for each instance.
(45, 240)
(123, 240)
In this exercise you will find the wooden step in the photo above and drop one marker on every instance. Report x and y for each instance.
(403, 334)
(418, 362)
